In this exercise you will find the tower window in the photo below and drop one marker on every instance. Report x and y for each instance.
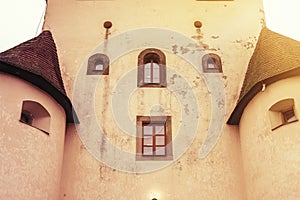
(151, 68)
(98, 64)
(154, 138)
(35, 115)
(211, 63)
(151, 72)
(26, 117)
(282, 113)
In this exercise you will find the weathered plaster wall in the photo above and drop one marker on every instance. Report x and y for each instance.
(216, 176)
(271, 158)
(230, 29)
(30, 160)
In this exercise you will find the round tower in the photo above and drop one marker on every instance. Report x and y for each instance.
(34, 111)
(268, 117)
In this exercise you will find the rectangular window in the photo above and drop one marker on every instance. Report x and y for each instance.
(154, 138)
(154, 142)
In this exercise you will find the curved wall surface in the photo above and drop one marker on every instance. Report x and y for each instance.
(30, 159)
(271, 157)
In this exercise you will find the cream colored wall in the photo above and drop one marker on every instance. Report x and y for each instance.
(30, 160)
(217, 176)
(230, 29)
(271, 158)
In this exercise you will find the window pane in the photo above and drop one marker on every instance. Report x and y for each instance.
(211, 63)
(159, 130)
(147, 151)
(160, 140)
(148, 140)
(99, 67)
(160, 151)
(211, 66)
(147, 73)
(155, 73)
(148, 130)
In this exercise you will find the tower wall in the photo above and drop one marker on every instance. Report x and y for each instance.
(30, 159)
(270, 157)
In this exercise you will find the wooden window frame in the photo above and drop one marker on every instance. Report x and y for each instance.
(92, 63)
(153, 121)
(159, 58)
(216, 60)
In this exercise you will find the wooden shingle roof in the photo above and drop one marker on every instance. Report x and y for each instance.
(275, 57)
(36, 61)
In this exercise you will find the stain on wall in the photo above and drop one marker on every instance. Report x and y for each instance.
(219, 175)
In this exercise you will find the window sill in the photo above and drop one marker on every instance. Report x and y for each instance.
(212, 71)
(152, 85)
(153, 158)
(35, 127)
(296, 120)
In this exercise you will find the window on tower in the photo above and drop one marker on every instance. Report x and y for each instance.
(211, 63)
(154, 138)
(282, 113)
(151, 68)
(35, 115)
(98, 64)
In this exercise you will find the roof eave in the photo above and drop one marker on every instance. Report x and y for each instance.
(40, 82)
(237, 113)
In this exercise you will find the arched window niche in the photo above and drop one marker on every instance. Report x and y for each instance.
(151, 68)
(98, 64)
(211, 63)
(35, 115)
(282, 113)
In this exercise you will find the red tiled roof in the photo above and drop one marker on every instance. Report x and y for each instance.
(36, 61)
(37, 56)
(275, 57)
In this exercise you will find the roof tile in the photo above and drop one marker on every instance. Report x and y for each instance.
(36, 61)
(275, 57)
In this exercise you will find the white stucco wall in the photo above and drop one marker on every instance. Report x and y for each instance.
(30, 160)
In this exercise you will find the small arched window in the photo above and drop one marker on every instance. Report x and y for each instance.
(282, 112)
(151, 68)
(98, 64)
(35, 115)
(211, 63)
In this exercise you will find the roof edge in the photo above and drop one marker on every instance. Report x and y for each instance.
(41, 83)
(237, 113)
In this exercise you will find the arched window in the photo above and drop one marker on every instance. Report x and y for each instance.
(151, 68)
(211, 63)
(98, 64)
(282, 112)
(35, 115)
